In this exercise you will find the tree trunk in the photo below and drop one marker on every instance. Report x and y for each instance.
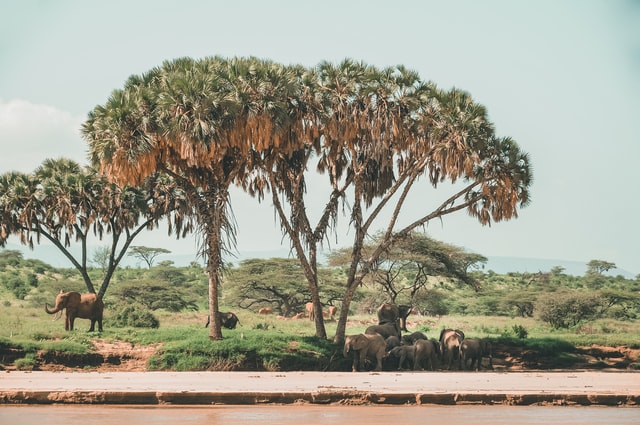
(321, 332)
(214, 256)
(341, 328)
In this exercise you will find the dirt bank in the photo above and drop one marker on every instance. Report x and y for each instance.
(121, 356)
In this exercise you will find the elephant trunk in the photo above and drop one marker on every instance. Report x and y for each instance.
(54, 311)
(346, 351)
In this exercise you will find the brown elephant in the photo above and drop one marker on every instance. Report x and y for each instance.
(227, 320)
(388, 313)
(362, 347)
(426, 354)
(450, 340)
(385, 330)
(85, 306)
(404, 353)
(475, 349)
(403, 312)
(409, 339)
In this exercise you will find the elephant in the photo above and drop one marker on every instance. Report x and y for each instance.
(388, 313)
(426, 354)
(450, 340)
(475, 349)
(385, 330)
(227, 320)
(403, 353)
(85, 306)
(411, 338)
(403, 312)
(363, 347)
(390, 342)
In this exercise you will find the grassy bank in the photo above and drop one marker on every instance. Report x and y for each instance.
(270, 343)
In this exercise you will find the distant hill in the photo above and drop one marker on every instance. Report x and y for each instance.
(500, 265)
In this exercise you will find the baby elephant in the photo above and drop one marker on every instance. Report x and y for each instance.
(475, 349)
(404, 353)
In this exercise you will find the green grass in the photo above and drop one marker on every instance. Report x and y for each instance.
(269, 343)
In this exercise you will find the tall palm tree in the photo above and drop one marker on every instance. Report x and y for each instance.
(384, 129)
(206, 124)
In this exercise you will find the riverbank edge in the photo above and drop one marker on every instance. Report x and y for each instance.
(337, 397)
(567, 388)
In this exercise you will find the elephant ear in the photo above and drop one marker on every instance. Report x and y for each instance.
(359, 342)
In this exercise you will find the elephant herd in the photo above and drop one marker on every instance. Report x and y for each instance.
(384, 345)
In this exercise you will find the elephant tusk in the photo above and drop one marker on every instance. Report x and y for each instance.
(57, 315)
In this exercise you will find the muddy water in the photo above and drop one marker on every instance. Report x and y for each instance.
(320, 415)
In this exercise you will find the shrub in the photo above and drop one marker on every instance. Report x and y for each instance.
(26, 363)
(565, 309)
(136, 316)
(520, 331)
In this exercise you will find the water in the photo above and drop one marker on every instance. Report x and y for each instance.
(316, 414)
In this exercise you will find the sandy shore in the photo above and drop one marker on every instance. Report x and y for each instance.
(240, 388)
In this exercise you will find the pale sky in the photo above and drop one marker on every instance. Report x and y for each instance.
(562, 78)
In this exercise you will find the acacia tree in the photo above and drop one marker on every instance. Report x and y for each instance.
(404, 269)
(65, 203)
(274, 283)
(147, 254)
(206, 123)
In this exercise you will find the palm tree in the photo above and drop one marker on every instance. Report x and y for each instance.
(205, 123)
(66, 203)
(216, 122)
(385, 129)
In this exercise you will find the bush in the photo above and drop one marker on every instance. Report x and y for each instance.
(565, 309)
(136, 316)
(520, 331)
(431, 302)
(26, 363)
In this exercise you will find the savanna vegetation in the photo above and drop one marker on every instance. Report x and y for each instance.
(171, 143)
(166, 307)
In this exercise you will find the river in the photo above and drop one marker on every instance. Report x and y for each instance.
(316, 415)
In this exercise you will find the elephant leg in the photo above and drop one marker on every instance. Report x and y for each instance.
(403, 357)
(416, 363)
(378, 363)
(354, 364)
(68, 324)
(362, 359)
(93, 325)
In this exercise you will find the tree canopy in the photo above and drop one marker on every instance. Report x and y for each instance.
(66, 204)
(147, 254)
(404, 269)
